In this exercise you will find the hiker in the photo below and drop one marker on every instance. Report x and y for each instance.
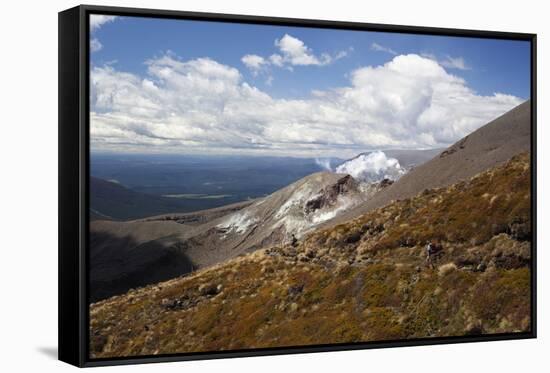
(429, 251)
(293, 240)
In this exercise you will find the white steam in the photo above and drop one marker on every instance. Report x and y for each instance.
(372, 167)
(324, 163)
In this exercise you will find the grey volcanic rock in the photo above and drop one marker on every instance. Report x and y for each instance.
(136, 253)
(329, 195)
(293, 210)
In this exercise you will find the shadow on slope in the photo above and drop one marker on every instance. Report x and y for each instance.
(118, 264)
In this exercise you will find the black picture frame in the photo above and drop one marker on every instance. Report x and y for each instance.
(74, 181)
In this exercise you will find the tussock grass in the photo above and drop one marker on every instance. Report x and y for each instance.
(360, 281)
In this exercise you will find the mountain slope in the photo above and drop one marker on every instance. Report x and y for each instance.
(364, 280)
(205, 238)
(294, 210)
(412, 158)
(128, 254)
(490, 145)
(123, 252)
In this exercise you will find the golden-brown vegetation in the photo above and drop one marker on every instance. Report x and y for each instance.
(363, 280)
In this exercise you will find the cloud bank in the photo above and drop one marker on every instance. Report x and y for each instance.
(203, 106)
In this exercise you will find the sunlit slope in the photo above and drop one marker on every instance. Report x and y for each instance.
(363, 280)
(489, 146)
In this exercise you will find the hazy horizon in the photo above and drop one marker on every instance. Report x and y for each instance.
(342, 156)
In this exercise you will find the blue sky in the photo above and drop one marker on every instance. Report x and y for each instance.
(494, 65)
(334, 59)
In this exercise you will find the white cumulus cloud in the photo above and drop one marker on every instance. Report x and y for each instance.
(254, 62)
(201, 105)
(292, 52)
(296, 52)
(97, 20)
(276, 59)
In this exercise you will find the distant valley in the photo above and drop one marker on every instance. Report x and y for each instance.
(126, 187)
